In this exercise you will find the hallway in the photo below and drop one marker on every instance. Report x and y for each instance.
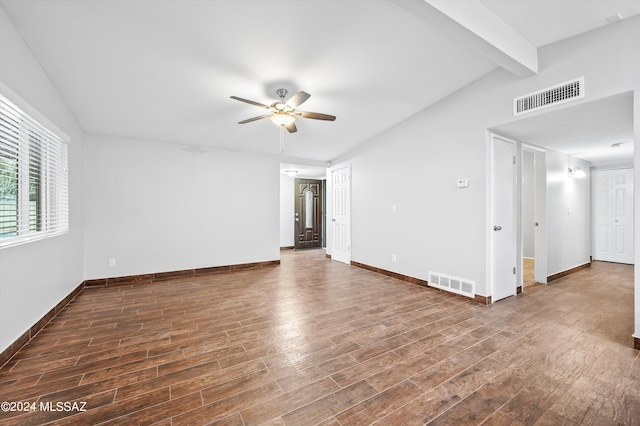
(318, 342)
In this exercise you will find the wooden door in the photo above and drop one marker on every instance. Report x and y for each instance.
(308, 213)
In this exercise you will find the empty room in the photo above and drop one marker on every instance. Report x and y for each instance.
(319, 212)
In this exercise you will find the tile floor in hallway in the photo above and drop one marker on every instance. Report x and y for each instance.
(318, 342)
(528, 269)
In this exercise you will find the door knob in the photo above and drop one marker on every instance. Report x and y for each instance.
(297, 220)
(497, 228)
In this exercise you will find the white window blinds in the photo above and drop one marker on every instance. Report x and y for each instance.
(34, 196)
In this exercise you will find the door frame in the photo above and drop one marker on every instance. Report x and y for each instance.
(540, 176)
(540, 212)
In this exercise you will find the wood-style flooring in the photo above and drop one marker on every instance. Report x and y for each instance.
(528, 272)
(318, 342)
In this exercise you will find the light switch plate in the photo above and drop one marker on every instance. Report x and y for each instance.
(463, 183)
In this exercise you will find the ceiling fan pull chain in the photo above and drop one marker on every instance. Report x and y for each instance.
(281, 138)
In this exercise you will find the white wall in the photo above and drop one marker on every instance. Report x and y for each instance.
(568, 213)
(157, 207)
(415, 164)
(287, 209)
(35, 276)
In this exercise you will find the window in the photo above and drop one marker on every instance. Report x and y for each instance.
(33, 175)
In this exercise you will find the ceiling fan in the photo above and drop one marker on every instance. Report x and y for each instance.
(283, 113)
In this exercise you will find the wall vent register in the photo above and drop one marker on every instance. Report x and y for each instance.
(452, 284)
(555, 95)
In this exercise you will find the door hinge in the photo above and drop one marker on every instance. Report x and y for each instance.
(514, 270)
(514, 159)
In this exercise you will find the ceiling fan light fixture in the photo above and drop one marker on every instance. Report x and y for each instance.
(283, 112)
(282, 119)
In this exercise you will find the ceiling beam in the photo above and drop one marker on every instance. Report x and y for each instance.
(475, 26)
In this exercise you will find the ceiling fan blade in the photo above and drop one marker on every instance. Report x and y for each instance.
(258, 104)
(315, 115)
(249, 120)
(292, 127)
(298, 99)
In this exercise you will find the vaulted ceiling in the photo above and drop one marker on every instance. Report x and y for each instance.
(164, 70)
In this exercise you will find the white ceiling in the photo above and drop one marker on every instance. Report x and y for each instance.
(546, 21)
(164, 70)
(587, 130)
(304, 171)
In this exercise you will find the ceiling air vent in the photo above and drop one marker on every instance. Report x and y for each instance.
(555, 95)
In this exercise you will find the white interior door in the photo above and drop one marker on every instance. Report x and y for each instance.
(613, 202)
(503, 233)
(341, 214)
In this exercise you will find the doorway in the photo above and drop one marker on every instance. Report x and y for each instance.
(289, 172)
(532, 190)
(517, 232)
(528, 218)
(308, 214)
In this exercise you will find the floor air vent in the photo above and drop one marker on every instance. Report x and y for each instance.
(561, 93)
(452, 284)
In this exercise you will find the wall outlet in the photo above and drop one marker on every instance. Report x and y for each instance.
(394, 258)
(112, 263)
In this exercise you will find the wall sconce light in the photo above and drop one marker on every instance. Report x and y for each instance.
(291, 173)
(576, 172)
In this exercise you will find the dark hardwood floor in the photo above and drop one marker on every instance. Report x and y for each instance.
(318, 342)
